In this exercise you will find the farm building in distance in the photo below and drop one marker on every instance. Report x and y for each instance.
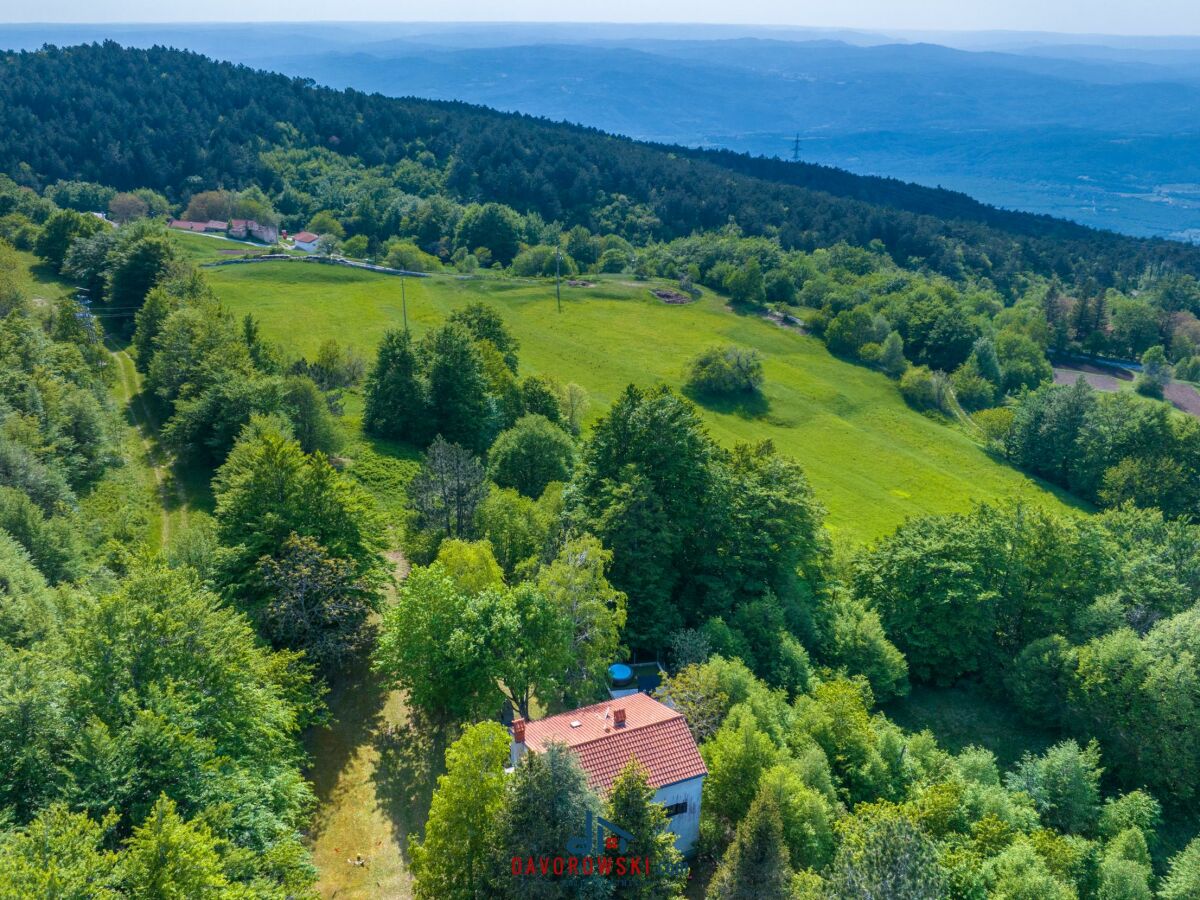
(305, 240)
(235, 228)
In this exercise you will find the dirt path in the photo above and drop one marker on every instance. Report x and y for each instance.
(373, 769)
(142, 420)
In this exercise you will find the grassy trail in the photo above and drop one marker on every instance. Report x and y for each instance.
(373, 769)
(173, 502)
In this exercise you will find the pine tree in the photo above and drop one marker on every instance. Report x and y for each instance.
(395, 394)
(631, 806)
(459, 407)
(755, 866)
(546, 809)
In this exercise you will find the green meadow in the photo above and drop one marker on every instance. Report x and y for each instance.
(872, 460)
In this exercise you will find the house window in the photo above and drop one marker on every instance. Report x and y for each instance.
(676, 809)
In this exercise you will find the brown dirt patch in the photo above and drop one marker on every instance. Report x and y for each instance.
(1181, 395)
(673, 297)
(575, 282)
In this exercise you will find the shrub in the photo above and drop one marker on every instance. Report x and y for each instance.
(919, 388)
(994, 423)
(407, 255)
(724, 371)
(542, 260)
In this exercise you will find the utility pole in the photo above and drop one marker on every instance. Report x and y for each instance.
(404, 303)
(557, 277)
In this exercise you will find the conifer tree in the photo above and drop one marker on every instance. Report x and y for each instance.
(756, 865)
(631, 806)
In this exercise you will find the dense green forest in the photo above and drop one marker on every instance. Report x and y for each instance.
(176, 122)
(152, 694)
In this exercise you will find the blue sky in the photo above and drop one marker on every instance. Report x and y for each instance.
(1147, 17)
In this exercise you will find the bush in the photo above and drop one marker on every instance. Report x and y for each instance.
(972, 389)
(725, 371)
(848, 331)
(994, 423)
(1188, 369)
(355, 247)
(919, 388)
(891, 356)
(407, 255)
(542, 260)
(613, 261)
(780, 288)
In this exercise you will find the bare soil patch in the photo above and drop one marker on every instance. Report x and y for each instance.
(1100, 379)
(575, 282)
(1181, 395)
(668, 296)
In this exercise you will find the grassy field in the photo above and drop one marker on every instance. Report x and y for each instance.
(202, 248)
(872, 460)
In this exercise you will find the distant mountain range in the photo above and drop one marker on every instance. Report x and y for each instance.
(1102, 131)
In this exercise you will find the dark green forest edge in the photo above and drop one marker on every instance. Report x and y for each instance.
(152, 697)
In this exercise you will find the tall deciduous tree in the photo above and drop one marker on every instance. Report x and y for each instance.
(884, 853)
(530, 455)
(453, 860)
(576, 586)
(316, 603)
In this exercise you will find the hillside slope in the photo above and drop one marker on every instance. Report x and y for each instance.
(872, 460)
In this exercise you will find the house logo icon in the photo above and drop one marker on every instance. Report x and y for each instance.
(599, 836)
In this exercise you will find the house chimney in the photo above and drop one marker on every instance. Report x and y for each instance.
(517, 749)
(619, 717)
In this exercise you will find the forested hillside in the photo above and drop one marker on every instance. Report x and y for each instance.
(173, 121)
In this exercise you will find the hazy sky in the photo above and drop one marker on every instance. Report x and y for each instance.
(1141, 17)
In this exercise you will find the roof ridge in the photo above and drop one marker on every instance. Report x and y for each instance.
(627, 729)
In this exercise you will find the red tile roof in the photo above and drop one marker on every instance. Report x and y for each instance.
(306, 236)
(653, 734)
(185, 225)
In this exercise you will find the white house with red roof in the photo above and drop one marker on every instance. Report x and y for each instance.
(305, 240)
(606, 736)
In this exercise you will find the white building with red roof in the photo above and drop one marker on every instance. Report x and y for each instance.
(306, 241)
(606, 736)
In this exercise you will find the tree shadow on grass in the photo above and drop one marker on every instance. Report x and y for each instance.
(356, 702)
(745, 406)
(411, 757)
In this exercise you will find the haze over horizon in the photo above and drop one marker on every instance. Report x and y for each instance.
(1070, 17)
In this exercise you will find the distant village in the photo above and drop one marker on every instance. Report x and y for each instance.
(246, 229)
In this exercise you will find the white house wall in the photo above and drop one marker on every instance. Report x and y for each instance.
(685, 825)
